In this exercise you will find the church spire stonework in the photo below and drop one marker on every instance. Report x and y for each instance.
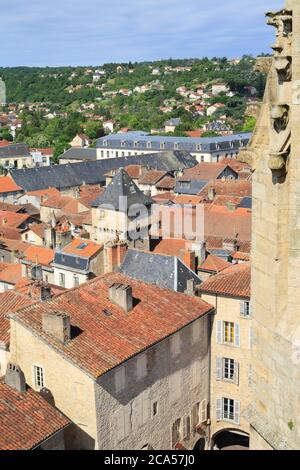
(274, 153)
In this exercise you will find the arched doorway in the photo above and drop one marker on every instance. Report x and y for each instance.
(230, 439)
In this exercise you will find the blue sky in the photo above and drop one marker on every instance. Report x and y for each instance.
(92, 32)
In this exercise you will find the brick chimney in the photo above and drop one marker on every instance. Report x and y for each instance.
(57, 325)
(15, 378)
(121, 295)
(188, 257)
(114, 255)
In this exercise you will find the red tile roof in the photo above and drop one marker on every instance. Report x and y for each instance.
(234, 281)
(241, 256)
(88, 250)
(26, 419)
(214, 264)
(43, 151)
(12, 219)
(227, 224)
(39, 254)
(151, 177)
(134, 171)
(7, 185)
(44, 192)
(203, 171)
(239, 188)
(11, 274)
(10, 301)
(168, 182)
(171, 246)
(188, 199)
(107, 341)
(9, 233)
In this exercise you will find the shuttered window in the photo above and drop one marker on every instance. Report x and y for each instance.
(245, 309)
(228, 410)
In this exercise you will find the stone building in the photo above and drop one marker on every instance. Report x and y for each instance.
(122, 212)
(118, 357)
(274, 155)
(231, 343)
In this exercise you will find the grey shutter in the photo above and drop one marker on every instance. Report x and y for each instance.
(219, 368)
(219, 409)
(237, 339)
(242, 308)
(203, 411)
(219, 332)
(237, 412)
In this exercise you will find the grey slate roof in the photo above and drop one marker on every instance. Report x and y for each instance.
(89, 155)
(127, 141)
(120, 187)
(71, 262)
(75, 174)
(167, 272)
(15, 151)
(246, 203)
(192, 187)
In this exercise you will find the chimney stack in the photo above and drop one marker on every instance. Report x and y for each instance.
(15, 378)
(190, 288)
(57, 325)
(121, 295)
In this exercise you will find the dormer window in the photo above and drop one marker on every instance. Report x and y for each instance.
(199, 148)
(123, 143)
(105, 143)
(149, 145)
(135, 144)
(162, 145)
(176, 146)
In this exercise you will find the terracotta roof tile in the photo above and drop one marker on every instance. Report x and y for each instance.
(11, 274)
(39, 254)
(12, 219)
(26, 419)
(234, 281)
(239, 188)
(7, 185)
(10, 301)
(204, 171)
(83, 248)
(171, 246)
(107, 341)
(214, 264)
(168, 182)
(151, 177)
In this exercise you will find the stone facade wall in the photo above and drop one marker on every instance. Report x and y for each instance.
(174, 401)
(228, 309)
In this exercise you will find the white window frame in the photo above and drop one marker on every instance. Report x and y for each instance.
(245, 309)
(235, 413)
(220, 334)
(35, 368)
(62, 276)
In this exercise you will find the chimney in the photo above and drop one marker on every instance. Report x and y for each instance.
(188, 257)
(114, 253)
(57, 325)
(211, 193)
(36, 272)
(121, 295)
(190, 288)
(15, 378)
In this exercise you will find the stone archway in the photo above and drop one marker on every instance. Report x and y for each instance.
(230, 439)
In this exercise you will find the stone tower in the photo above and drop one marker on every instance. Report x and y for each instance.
(274, 154)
